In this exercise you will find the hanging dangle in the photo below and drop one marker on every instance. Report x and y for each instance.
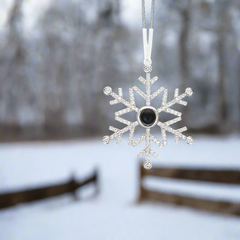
(147, 116)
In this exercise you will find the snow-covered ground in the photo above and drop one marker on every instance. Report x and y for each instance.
(113, 214)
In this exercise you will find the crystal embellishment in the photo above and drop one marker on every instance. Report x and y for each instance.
(107, 90)
(147, 116)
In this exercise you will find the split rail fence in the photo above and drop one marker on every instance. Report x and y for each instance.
(29, 195)
(217, 176)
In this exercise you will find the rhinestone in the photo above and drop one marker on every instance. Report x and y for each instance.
(189, 140)
(154, 80)
(147, 165)
(107, 90)
(147, 68)
(189, 92)
(106, 139)
(141, 79)
(120, 92)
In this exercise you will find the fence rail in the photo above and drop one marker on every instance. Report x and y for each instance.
(206, 175)
(34, 194)
(218, 176)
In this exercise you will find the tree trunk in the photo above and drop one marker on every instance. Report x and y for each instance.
(14, 65)
(184, 56)
(183, 50)
(222, 101)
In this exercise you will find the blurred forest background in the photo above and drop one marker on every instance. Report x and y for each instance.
(53, 67)
(56, 56)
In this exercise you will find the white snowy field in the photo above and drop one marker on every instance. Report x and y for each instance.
(113, 214)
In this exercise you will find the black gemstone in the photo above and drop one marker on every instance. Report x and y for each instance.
(148, 117)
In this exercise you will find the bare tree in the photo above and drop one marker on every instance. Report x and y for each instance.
(17, 89)
(183, 48)
(105, 65)
(183, 7)
(222, 31)
(12, 64)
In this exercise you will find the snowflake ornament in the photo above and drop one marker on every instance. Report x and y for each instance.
(147, 116)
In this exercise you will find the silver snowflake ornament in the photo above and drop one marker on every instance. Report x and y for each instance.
(147, 116)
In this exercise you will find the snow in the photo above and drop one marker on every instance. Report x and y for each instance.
(114, 214)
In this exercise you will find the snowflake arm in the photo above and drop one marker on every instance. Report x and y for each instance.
(165, 127)
(177, 99)
(118, 98)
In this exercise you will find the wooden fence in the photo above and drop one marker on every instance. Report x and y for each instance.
(34, 194)
(203, 175)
